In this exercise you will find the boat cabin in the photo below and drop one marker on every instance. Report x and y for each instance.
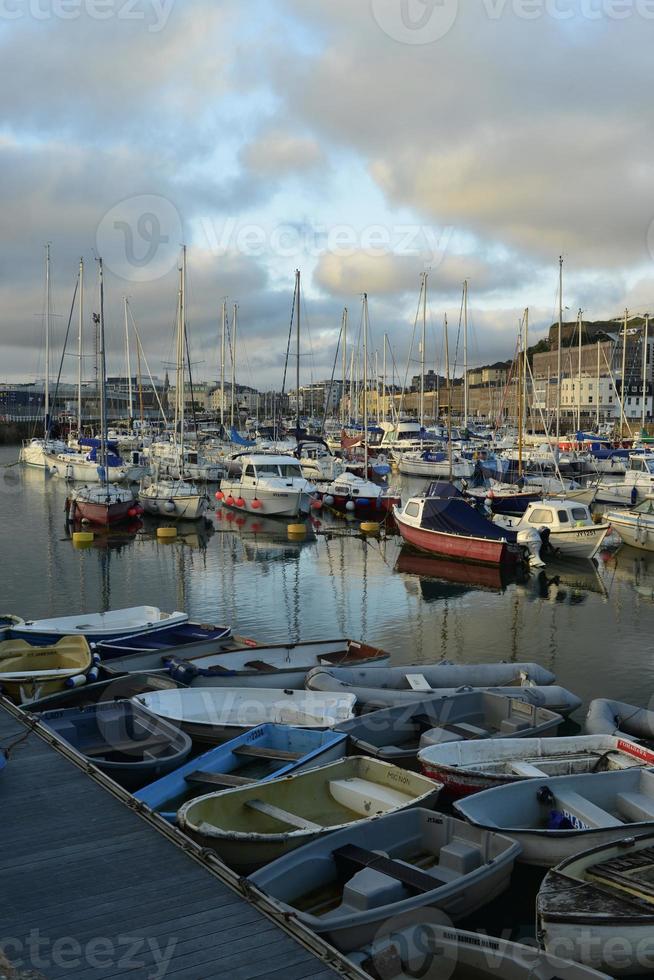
(267, 467)
(640, 469)
(557, 515)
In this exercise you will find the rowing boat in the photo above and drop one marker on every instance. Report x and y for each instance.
(97, 626)
(28, 672)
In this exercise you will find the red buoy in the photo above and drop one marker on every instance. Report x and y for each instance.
(219, 495)
(229, 501)
(256, 504)
(239, 502)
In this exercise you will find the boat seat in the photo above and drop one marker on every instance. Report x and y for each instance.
(635, 806)
(526, 769)
(260, 665)
(351, 858)
(460, 857)
(586, 812)
(507, 726)
(466, 730)
(364, 797)
(130, 746)
(292, 819)
(263, 752)
(199, 778)
(438, 736)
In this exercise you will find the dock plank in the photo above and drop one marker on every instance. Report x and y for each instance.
(89, 876)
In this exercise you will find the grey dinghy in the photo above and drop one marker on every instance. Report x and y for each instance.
(396, 734)
(555, 819)
(606, 717)
(599, 906)
(252, 825)
(470, 767)
(346, 885)
(414, 948)
(384, 687)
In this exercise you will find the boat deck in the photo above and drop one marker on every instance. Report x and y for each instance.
(95, 888)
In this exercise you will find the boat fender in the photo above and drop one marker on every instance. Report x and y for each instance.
(329, 500)
(634, 496)
(92, 675)
(169, 506)
(75, 681)
(349, 505)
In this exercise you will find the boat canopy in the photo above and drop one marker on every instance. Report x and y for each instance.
(452, 514)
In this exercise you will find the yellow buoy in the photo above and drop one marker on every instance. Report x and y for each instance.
(82, 539)
(369, 527)
(296, 530)
(166, 533)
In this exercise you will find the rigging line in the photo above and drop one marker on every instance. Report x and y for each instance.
(458, 337)
(331, 380)
(288, 345)
(408, 362)
(147, 367)
(61, 362)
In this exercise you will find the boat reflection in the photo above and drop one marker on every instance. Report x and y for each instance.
(264, 538)
(115, 537)
(567, 581)
(439, 578)
(634, 566)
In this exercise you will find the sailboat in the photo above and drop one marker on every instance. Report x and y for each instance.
(102, 502)
(174, 497)
(33, 452)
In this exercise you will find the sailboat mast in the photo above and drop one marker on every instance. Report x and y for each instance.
(222, 363)
(645, 339)
(181, 356)
(597, 407)
(449, 402)
(525, 368)
(623, 384)
(579, 372)
(520, 384)
(384, 378)
(130, 400)
(80, 326)
(558, 355)
(232, 409)
(465, 353)
(344, 366)
(365, 386)
(423, 291)
(297, 353)
(47, 342)
(103, 380)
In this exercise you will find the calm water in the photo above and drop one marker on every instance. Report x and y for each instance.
(591, 623)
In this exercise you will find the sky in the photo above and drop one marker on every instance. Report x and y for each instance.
(364, 142)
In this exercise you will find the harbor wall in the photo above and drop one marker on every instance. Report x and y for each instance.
(13, 433)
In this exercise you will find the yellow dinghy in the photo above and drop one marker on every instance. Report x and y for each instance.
(28, 672)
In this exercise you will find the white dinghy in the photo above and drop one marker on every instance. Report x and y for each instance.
(98, 626)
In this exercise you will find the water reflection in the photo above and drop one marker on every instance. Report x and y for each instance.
(439, 578)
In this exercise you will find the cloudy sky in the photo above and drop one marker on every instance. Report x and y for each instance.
(361, 141)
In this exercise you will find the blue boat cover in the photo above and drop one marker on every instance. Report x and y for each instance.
(239, 440)
(448, 511)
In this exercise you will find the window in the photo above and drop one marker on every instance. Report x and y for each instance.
(412, 509)
(541, 516)
(590, 399)
(580, 514)
(563, 516)
(249, 470)
(610, 399)
(291, 469)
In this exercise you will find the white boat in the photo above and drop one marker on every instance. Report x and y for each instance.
(347, 885)
(173, 499)
(350, 492)
(167, 459)
(555, 819)
(99, 626)
(637, 484)
(425, 945)
(466, 767)
(251, 825)
(318, 463)
(436, 464)
(275, 666)
(598, 906)
(214, 715)
(272, 485)
(36, 452)
(635, 526)
(569, 525)
(86, 468)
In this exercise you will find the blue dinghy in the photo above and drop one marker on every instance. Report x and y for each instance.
(123, 739)
(187, 639)
(261, 754)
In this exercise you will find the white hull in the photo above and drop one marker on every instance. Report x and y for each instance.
(271, 503)
(84, 471)
(461, 469)
(187, 507)
(584, 543)
(35, 453)
(632, 531)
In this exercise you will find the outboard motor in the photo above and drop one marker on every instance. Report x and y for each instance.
(532, 542)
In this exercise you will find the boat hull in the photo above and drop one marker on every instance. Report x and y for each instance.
(458, 547)
(114, 512)
(270, 503)
(191, 508)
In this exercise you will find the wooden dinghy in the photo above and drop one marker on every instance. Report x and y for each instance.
(253, 825)
(28, 672)
(215, 715)
(434, 950)
(284, 665)
(263, 753)
(383, 687)
(180, 639)
(346, 885)
(115, 689)
(599, 905)
(559, 817)
(473, 766)
(97, 626)
(396, 734)
(121, 738)
(607, 717)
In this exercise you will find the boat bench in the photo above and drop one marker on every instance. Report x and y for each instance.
(263, 752)
(636, 806)
(507, 726)
(452, 733)
(525, 769)
(584, 810)
(222, 779)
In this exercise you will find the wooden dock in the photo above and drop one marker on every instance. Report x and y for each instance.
(95, 888)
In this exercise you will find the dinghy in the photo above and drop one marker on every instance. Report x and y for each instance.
(599, 907)
(121, 738)
(470, 767)
(179, 639)
(384, 687)
(285, 665)
(411, 948)
(396, 734)
(264, 753)
(215, 715)
(425, 677)
(559, 817)
(118, 688)
(97, 626)
(28, 672)
(618, 718)
(344, 886)
(253, 825)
